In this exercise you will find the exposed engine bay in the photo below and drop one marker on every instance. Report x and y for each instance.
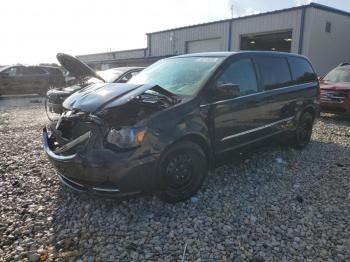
(136, 109)
(76, 130)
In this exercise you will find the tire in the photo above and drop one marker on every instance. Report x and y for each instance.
(182, 169)
(303, 132)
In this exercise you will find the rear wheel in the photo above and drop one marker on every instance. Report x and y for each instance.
(303, 131)
(182, 170)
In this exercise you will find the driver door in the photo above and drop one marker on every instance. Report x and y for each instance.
(10, 81)
(237, 119)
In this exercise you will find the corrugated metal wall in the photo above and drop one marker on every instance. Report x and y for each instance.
(206, 45)
(134, 53)
(160, 44)
(174, 42)
(326, 50)
(95, 57)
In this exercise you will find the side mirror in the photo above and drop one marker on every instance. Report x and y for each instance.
(227, 91)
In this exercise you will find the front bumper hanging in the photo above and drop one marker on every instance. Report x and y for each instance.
(101, 171)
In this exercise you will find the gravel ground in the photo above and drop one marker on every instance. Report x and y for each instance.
(276, 205)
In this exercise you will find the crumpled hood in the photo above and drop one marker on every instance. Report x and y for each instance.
(101, 96)
(334, 86)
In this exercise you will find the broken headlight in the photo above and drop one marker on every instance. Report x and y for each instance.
(126, 137)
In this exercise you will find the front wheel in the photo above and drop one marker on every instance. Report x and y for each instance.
(182, 170)
(302, 135)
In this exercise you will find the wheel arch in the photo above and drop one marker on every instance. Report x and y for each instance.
(202, 142)
(311, 109)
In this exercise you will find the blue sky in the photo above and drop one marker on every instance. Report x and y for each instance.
(33, 31)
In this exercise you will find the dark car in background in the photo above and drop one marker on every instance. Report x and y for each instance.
(335, 90)
(19, 79)
(57, 78)
(177, 118)
(85, 76)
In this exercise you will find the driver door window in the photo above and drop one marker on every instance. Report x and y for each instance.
(242, 74)
(13, 71)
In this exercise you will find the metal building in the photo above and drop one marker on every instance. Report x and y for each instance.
(319, 32)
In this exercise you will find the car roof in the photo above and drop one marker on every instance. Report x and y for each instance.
(20, 65)
(50, 67)
(228, 54)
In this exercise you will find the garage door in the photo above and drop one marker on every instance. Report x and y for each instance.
(206, 45)
(281, 41)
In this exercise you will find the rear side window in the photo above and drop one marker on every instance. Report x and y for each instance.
(302, 71)
(241, 73)
(33, 71)
(54, 71)
(274, 72)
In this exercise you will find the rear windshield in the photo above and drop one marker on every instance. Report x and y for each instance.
(338, 75)
(109, 76)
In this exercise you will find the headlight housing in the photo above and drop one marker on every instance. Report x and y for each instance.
(126, 137)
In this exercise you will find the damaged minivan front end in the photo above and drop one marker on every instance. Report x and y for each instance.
(149, 134)
(95, 144)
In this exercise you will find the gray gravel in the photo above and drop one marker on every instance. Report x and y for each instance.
(276, 205)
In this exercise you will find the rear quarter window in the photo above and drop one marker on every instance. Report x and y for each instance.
(274, 72)
(33, 71)
(302, 71)
(54, 71)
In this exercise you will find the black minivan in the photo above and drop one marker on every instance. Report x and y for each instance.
(175, 120)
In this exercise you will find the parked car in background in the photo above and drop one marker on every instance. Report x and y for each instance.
(70, 80)
(335, 90)
(21, 79)
(57, 78)
(172, 122)
(85, 76)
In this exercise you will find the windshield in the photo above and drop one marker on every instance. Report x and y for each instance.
(338, 75)
(181, 76)
(109, 76)
(2, 68)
